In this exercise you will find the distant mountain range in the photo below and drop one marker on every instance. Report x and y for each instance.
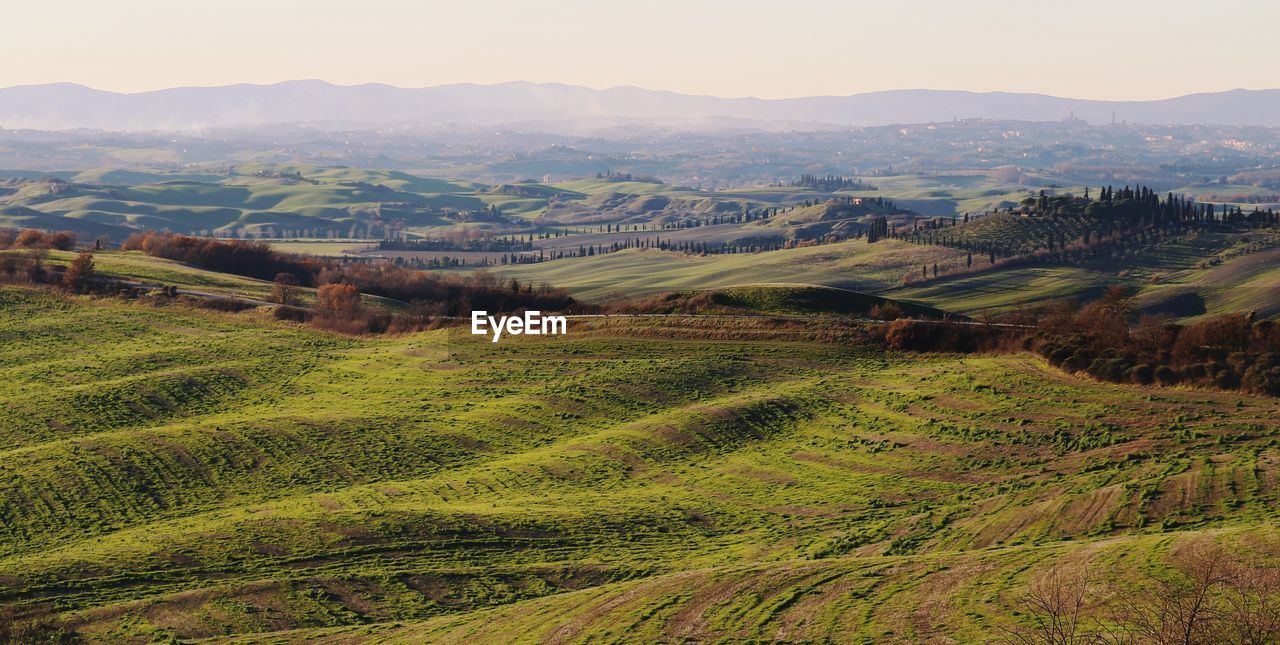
(62, 106)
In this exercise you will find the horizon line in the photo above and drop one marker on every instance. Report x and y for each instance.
(619, 87)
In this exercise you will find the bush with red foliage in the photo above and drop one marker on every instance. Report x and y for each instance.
(945, 336)
(246, 258)
(36, 239)
(79, 274)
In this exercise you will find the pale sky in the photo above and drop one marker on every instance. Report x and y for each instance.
(1116, 49)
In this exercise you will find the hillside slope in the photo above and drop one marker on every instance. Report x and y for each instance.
(852, 264)
(179, 473)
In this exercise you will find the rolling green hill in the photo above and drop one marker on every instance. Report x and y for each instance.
(247, 199)
(792, 299)
(171, 472)
(854, 264)
(1185, 277)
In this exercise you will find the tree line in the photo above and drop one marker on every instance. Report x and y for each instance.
(830, 183)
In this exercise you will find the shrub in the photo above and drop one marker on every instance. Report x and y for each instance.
(887, 311)
(1166, 375)
(1060, 355)
(1116, 369)
(295, 314)
(230, 305)
(1142, 374)
(1265, 380)
(1226, 380)
(35, 239)
(79, 273)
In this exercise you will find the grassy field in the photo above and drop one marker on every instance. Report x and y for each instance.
(171, 472)
(1187, 277)
(1003, 290)
(957, 192)
(853, 265)
(134, 266)
(1245, 282)
(809, 299)
(323, 248)
(249, 198)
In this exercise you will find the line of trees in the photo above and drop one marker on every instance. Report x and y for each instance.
(830, 183)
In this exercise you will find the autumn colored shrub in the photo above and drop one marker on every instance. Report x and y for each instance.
(79, 274)
(943, 336)
(35, 239)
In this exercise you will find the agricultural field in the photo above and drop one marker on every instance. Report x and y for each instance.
(788, 299)
(1003, 290)
(954, 193)
(180, 473)
(1244, 283)
(854, 264)
(250, 199)
(1187, 277)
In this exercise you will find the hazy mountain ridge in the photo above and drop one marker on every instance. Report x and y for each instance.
(62, 106)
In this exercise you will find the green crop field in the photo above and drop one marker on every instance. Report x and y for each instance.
(807, 299)
(853, 265)
(1006, 289)
(1186, 277)
(179, 473)
(1248, 282)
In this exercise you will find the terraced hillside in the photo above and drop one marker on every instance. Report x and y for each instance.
(170, 472)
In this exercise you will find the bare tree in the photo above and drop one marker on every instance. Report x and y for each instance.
(1251, 604)
(285, 289)
(1055, 601)
(1178, 608)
